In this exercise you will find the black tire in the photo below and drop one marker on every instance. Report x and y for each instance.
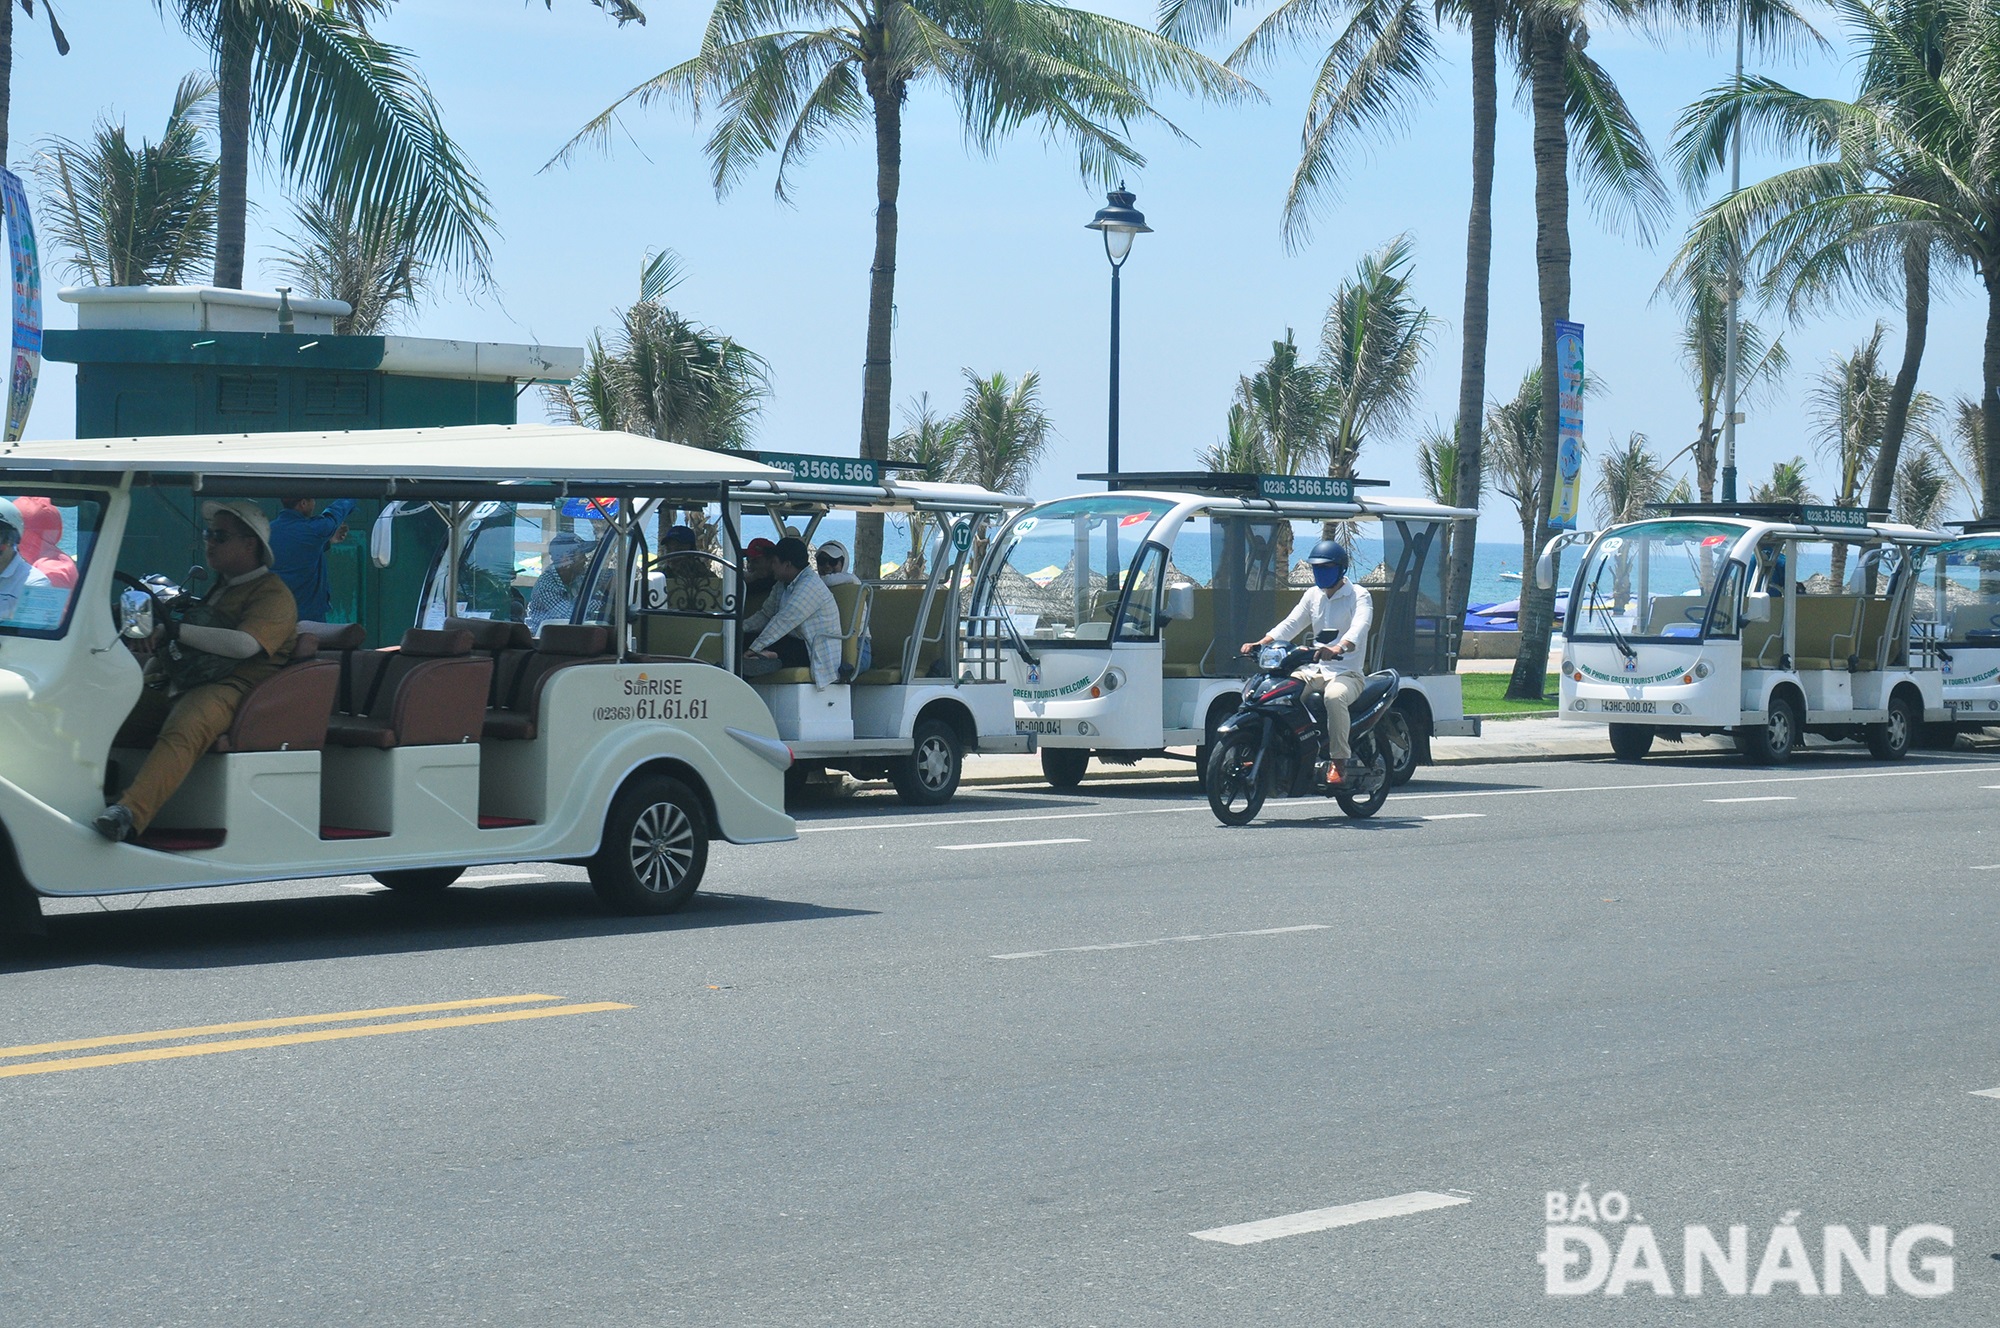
(420, 880)
(1397, 735)
(1891, 740)
(1369, 754)
(929, 775)
(1063, 767)
(1232, 796)
(1777, 739)
(1218, 713)
(1631, 742)
(655, 848)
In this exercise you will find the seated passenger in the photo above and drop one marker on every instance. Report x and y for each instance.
(232, 638)
(799, 625)
(41, 541)
(832, 562)
(563, 570)
(757, 578)
(19, 578)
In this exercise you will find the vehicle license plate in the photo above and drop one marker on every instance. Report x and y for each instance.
(1632, 707)
(1038, 726)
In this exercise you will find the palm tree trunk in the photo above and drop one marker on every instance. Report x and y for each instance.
(1989, 402)
(1916, 327)
(1481, 17)
(1547, 91)
(887, 94)
(234, 53)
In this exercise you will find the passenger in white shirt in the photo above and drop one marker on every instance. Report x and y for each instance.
(18, 576)
(1338, 606)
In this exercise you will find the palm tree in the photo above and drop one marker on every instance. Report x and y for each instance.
(1513, 430)
(782, 85)
(136, 217)
(354, 124)
(1629, 480)
(935, 442)
(1787, 484)
(1849, 409)
(1242, 450)
(1371, 351)
(1968, 441)
(1923, 488)
(1916, 170)
(7, 57)
(1002, 431)
(664, 376)
(1699, 279)
(1284, 405)
(1864, 261)
(1437, 464)
(368, 261)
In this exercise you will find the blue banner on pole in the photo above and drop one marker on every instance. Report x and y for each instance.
(1568, 495)
(25, 264)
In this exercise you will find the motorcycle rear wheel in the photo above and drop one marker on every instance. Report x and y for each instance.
(1375, 773)
(1233, 796)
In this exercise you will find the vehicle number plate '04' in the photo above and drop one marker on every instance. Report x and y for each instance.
(1038, 726)
(1632, 707)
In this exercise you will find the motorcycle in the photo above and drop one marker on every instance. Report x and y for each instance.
(1276, 742)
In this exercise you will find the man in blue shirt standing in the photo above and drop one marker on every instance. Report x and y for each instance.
(299, 538)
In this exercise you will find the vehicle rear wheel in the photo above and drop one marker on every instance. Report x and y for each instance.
(1063, 767)
(1233, 795)
(1631, 742)
(655, 848)
(1774, 742)
(930, 774)
(420, 880)
(1891, 739)
(1397, 734)
(1375, 765)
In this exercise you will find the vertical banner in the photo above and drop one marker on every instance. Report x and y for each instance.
(25, 365)
(1568, 497)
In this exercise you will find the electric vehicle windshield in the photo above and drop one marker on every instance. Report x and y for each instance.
(1653, 581)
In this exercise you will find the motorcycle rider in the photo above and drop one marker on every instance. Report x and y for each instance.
(1334, 605)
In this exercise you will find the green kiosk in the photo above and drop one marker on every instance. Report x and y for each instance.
(156, 360)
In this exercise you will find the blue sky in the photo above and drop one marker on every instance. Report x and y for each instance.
(995, 270)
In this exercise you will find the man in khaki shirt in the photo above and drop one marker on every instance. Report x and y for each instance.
(252, 619)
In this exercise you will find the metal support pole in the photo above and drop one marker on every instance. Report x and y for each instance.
(1111, 466)
(1732, 340)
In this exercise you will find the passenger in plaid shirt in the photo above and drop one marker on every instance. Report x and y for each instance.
(799, 625)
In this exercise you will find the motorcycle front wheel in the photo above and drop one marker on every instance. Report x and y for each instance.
(1233, 795)
(1373, 775)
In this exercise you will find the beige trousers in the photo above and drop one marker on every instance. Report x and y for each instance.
(1339, 691)
(180, 730)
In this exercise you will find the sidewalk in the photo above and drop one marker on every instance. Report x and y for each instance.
(1537, 738)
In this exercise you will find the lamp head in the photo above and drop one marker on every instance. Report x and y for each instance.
(1119, 221)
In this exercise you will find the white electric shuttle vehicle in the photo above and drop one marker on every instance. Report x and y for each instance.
(474, 743)
(915, 695)
(1958, 606)
(1122, 613)
(1766, 622)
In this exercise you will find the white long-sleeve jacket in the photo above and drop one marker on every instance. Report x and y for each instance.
(1347, 610)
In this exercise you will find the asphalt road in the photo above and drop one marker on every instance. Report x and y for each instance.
(996, 1064)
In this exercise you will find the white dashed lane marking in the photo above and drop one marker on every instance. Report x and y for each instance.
(1008, 843)
(1773, 798)
(1325, 1219)
(1162, 940)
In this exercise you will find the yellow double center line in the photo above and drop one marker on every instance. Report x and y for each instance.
(351, 1017)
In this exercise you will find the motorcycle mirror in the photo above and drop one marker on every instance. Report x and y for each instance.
(135, 615)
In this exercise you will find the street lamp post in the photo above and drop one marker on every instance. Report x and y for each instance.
(1119, 221)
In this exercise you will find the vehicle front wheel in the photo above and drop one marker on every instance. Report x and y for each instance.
(930, 774)
(420, 880)
(1063, 767)
(1235, 795)
(1891, 739)
(655, 848)
(1631, 742)
(1774, 742)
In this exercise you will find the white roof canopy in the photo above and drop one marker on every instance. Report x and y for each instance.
(389, 462)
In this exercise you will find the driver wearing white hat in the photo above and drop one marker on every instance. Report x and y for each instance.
(239, 633)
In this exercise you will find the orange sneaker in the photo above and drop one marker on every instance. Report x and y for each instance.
(1333, 777)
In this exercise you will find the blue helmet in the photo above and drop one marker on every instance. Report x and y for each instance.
(1328, 561)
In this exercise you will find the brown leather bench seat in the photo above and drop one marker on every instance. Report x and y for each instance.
(560, 646)
(288, 711)
(430, 690)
